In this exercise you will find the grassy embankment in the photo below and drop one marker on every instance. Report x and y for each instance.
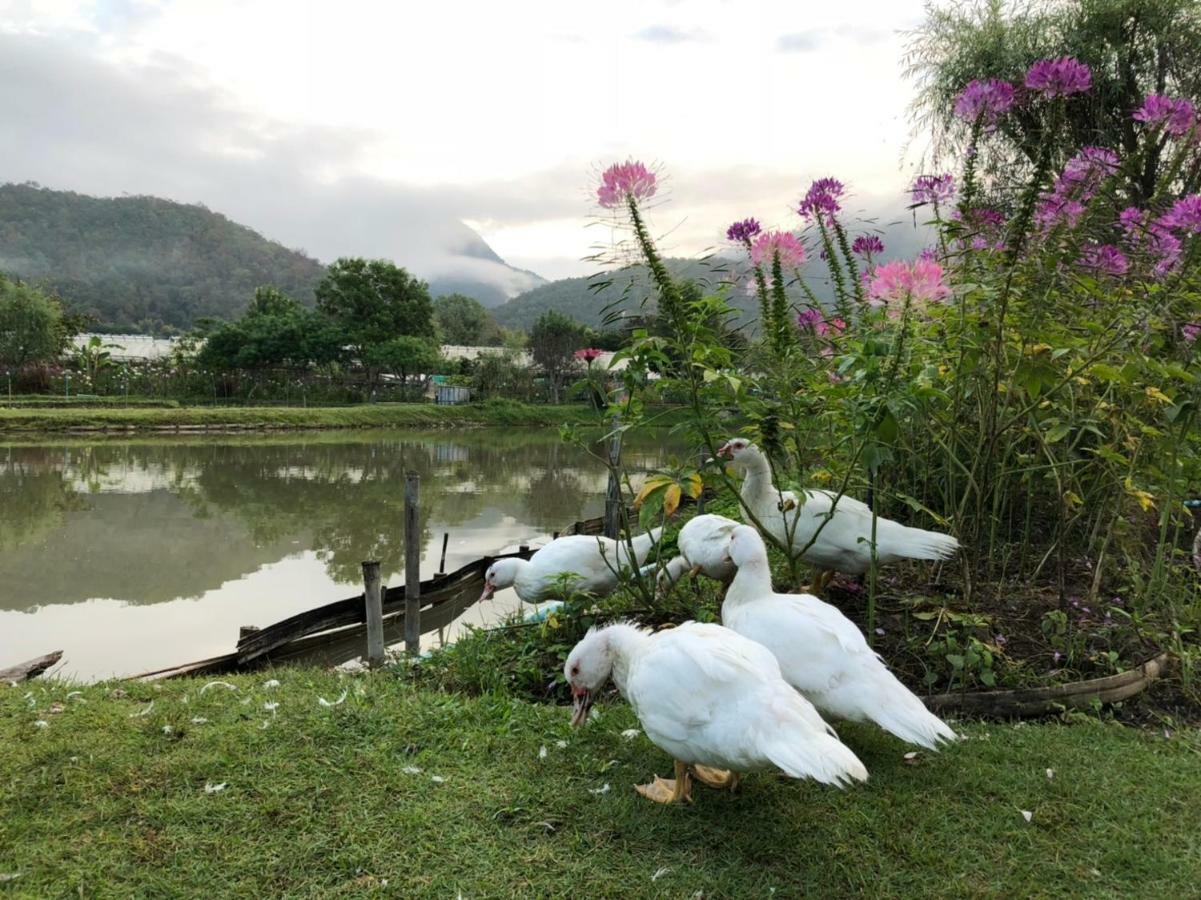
(109, 799)
(381, 415)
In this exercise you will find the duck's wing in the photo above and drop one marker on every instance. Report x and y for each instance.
(690, 673)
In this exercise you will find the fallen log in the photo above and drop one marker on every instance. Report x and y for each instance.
(30, 668)
(1056, 698)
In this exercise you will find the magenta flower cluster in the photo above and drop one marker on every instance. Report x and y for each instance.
(1162, 237)
(984, 101)
(743, 231)
(1060, 77)
(622, 182)
(821, 202)
(932, 189)
(866, 245)
(1185, 215)
(1105, 259)
(1177, 116)
(1191, 332)
(1079, 182)
(588, 354)
(783, 243)
(814, 320)
(922, 280)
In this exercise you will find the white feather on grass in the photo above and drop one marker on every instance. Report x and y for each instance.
(341, 699)
(224, 684)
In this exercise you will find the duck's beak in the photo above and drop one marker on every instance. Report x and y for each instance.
(724, 451)
(581, 703)
(489, 590)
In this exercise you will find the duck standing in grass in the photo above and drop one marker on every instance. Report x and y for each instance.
(831, 532)
(594, 561)
(820, 651)
(702, 542)
(713, 700)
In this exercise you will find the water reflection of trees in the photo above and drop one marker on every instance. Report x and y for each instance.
(342, 495)
(34, 497)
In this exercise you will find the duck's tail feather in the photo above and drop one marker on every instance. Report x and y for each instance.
(902, 542)
(900, 712)
(803, 751)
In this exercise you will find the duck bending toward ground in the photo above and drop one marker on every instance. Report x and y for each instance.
(713, 700)
(834, 536)
(702, 541)
(820, 651)
(594, 560)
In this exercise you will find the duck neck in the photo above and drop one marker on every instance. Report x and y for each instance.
(757, 487)
(752, 580)
(625, 642)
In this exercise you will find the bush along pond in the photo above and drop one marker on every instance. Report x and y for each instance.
(1026, 387)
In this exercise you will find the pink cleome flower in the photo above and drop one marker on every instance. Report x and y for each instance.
(622, 182)
(984, 101)
(1060, 77)
(1191, 332)
(1177, 116)
(784, 243)
(589, 354)
(922, 280)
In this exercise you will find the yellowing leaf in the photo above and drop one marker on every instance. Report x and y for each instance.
(671, 499)
(1154, 393)
(693, 486)
(1072, 499)
(1041, 348)
(1145, 500)
(652, 484)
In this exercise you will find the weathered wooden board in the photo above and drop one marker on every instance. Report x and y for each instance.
(31, 668)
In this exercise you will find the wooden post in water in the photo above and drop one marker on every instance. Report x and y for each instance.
(412, 565)
(375, 613)
(613, 497)
(442, 559)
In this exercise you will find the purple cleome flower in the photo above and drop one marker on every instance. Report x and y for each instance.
(984, 101)
(1105, 259)
(1060, 77)
(932, 189)
(1185, 215)
(1077, 184)
(821, 201)
(1177, 116)
(743, 231)
(1190, 332)
(867, 244)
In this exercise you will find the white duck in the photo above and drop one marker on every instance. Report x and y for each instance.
(702, 542)
(821, 652)
(710, 698)
(594, 560)
(844, 543)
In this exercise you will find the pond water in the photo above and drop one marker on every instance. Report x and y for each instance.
(136, 554)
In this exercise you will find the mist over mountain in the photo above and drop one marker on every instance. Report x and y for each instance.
(145, 264)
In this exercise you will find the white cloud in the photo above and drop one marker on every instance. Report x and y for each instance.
(370, 128)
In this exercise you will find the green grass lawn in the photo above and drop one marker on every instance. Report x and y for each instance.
(108, 799)
(380, 415)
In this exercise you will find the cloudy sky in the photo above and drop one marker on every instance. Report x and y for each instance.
(377, 128)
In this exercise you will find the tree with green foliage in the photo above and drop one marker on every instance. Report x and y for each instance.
(274, 332)
(32, 327)
(464, 321)
(1134, 48)
(405, 356)
(553, 341)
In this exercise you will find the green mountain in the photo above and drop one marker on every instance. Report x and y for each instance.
(142, 263)
(598, 299)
